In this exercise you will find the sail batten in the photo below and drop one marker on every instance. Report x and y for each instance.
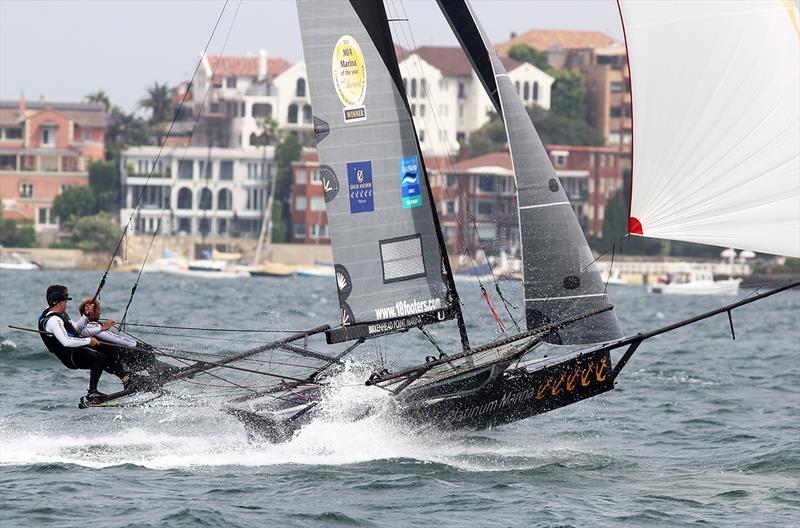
(716, 122)
(390, 261)
(561, 279)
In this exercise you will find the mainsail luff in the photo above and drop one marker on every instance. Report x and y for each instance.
(715, 122)
(391, 265)
(560, 277)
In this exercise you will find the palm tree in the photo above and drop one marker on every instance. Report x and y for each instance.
(100, 96)
(159, 102)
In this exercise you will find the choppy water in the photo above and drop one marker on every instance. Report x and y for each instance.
(701, 430)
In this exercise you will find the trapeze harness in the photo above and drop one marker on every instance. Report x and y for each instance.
(54, 345)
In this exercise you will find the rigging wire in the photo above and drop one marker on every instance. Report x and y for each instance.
(469, 215)
(237, 330)
(158, 156)
(183, 158)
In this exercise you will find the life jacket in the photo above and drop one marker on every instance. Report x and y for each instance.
(54, 345)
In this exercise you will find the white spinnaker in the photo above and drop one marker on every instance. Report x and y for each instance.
(716, 122)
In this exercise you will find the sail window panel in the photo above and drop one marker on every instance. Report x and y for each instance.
(402, 258)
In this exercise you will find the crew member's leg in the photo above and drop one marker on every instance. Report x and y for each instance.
(91, 360)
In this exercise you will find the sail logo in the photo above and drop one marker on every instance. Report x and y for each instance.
(403, 308)
(359, 181)
(350, 78)
(409, 182)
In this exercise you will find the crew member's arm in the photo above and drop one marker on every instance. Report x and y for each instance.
(95, 330)
(80, 324)
(56, 327)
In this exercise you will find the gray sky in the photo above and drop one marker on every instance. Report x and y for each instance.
(64, 50)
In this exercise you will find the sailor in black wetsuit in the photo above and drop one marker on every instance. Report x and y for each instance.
(60, 337)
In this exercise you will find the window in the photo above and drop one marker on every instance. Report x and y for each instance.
(300, 203)
(613, 137)
(301, 87)
(461, 137)
(185, 225)
(224, 200)
(405, 85)
(300, 230)
(626, 138)
(526, 90)
(26, 190)
(255, 199)
(226, 170)
(255, 170)
(616, 87)
(422, 136)
(261, 110)
(307, 114)
(64, 187)
(87, 134)
(186, 169)
(316, 178)
(13, 133)
(205, 199)
(451, 206)
(43, 215)
(323, 230)
(413, 109)
(422, 110)
(300, 177)
(615, 111)
(535, 91)
(230, 82)
(222, 226)
(516, 85)
(486, 183)
(452, 180)
(462, 91)
(317, 203)
(486, 208)
(413, 87)
(561, 160)
(292, 113)
(423, 88)
(185, 198)
(205, 226)
(48, 136)
(460, 110)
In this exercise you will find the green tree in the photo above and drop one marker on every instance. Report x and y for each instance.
(94, 233)
(568, 96)
(123, 130)
(15, 234)
(99, 96)
(76, 202)
(525, 53)
(104, 181)
(159, 102)
(615, 225)
(287, 151)
(552, 128)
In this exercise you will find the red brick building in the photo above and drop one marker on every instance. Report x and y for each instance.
(479, 191)
(309, 216)
(45, 148)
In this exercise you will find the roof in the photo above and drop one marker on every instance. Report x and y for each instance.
(549, 39)
(452, 61)
(84, 114)
(245, 66)
(498, 161)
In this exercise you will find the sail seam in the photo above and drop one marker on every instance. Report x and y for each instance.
(566, 297)
(542, 205)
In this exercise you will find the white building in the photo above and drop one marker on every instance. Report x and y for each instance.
(198, 191)
(448, 101)
(244, 90)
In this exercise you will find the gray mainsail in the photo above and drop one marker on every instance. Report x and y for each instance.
(392, 271)
(560, 277)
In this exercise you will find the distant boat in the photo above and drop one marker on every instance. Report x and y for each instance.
(614, 278)
(698, 283)
(15, 261)
(321, 269)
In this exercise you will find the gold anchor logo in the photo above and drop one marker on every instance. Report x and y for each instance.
(360, 175)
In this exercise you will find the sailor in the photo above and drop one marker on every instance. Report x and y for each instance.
(128, 356)
(61, 337)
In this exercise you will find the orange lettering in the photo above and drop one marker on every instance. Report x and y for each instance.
(557, 387)
(586, 373)
(572, 379)
(541, 390)
(600, 373)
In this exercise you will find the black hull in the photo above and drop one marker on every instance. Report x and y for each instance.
(520, 393)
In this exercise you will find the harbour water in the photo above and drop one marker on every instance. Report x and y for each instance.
(701, 430)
